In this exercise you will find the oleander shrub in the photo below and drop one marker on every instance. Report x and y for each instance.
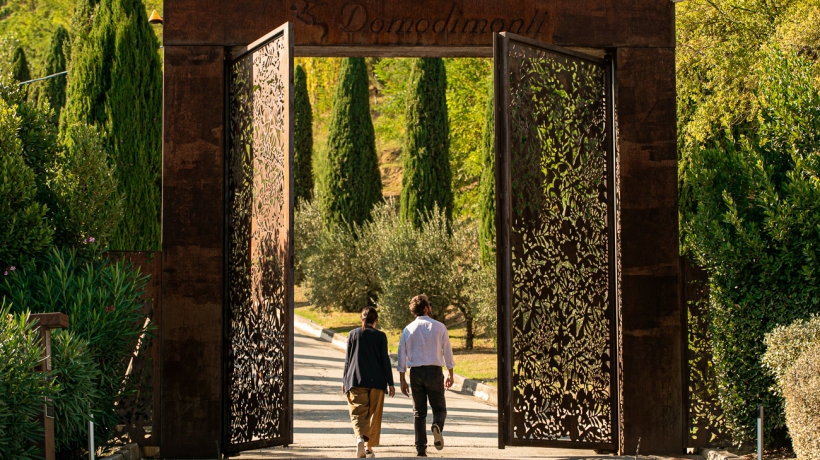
(801, 388)
(22, 388)
(102, 299)
(76, 373)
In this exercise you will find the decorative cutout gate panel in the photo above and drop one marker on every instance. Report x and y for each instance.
(258, 375)
(557, 246)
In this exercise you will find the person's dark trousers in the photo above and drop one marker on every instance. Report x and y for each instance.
(427, 383)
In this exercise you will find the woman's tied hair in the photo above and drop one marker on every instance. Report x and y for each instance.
(369, 316)
(418, 304)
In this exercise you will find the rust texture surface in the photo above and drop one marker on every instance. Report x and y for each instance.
(259, 311)
(588, 23)
(192, 241)
(563, 297)
(652, 328)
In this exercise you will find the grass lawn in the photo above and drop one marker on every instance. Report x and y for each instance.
(480, 363)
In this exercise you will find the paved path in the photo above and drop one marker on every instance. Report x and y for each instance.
(322, 426)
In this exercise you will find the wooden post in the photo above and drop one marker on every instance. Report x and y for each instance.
(45, 323)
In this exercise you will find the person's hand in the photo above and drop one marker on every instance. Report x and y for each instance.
(343, 388)
(391, 390)
(448, 382)
(405, 388)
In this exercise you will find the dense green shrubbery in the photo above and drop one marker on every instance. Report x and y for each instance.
(307, 227)
(750, 214)
(77, 374)
(785, 344)
(102, 299)
(338, 274)
(793, 357)
(25, 232)
(115, 85)
(87, 201)
(22, 388)
(801, 387)
(387, 261)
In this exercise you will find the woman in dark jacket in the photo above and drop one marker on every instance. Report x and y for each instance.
(367, 374)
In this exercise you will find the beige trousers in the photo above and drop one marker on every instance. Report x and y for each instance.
(366, 406)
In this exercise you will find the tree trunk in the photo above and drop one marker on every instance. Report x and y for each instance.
(468, 319)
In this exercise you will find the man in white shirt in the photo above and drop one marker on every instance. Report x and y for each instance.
(424, 348)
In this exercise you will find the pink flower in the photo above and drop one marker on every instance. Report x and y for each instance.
(91, 240)
(6, 273)
(12, 268)
(85, 240)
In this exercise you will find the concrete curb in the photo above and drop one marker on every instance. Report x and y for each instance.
(461, 384)
(715, 454)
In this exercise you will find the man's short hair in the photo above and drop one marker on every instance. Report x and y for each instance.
(419, 304)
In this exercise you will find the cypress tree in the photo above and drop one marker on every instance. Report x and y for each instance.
(351, 182)
(426, 181)
(53, 89)
(303, 136)
(19, 68)
(115, 84)
(486, 232)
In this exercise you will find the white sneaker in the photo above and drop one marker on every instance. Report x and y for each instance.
(360, 448)
(438, 439)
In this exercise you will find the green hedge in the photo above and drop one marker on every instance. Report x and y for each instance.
(749, 215)
(801, 388)
(103, 300)
(22, 388)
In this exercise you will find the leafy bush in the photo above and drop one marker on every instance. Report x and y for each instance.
(102, 299)
(439, 259)
(76, 373)
(387, 261)
(337, 274)
(752, 222)
(802, 389)
(88, 203)
(24, 230)
(22, 387)
(307, 227)
(785, 344)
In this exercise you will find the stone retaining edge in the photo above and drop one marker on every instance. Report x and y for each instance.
(715, 454)
(461, 384)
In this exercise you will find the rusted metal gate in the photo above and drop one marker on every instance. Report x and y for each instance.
(558, 264)
(258, 341)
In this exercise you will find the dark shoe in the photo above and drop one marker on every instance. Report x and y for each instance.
(421, 453)
(437, 437)
(369, 454)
